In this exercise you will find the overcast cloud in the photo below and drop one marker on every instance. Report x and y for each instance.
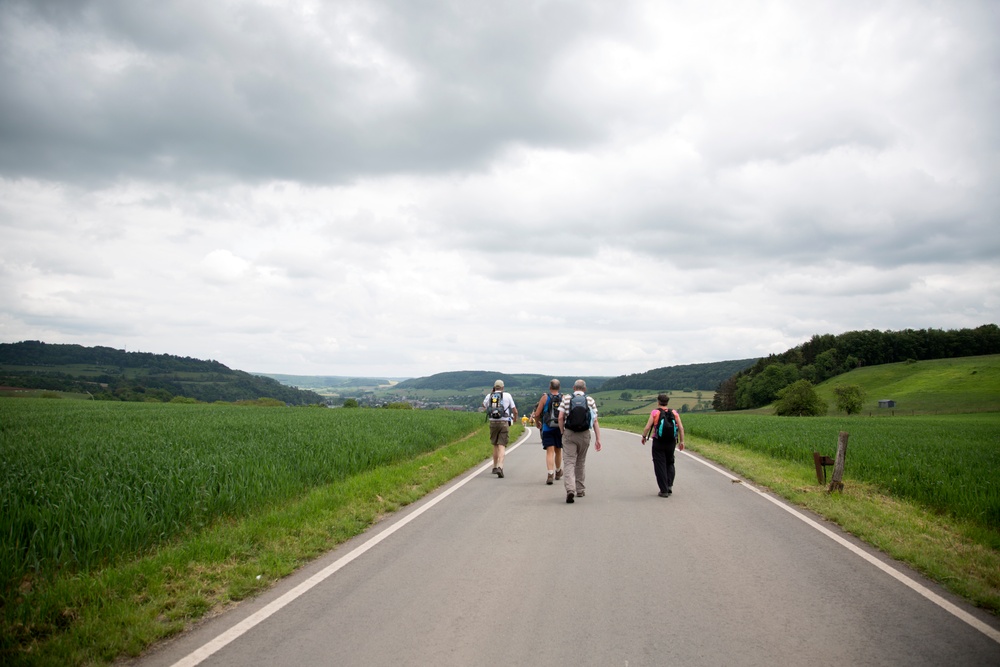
(565, 187)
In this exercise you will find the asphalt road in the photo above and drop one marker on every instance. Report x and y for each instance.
(495, 571)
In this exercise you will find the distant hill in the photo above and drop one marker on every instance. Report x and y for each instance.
(463, 380)
(107, 373)
(705, 377)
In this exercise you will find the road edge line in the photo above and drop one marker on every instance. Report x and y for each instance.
(917, 587)
(216, 644)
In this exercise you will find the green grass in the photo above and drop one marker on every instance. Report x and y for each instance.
(83, 483)
(643, 401)
(97, 617)
(938, 461)
(236, 497)
(941, 386)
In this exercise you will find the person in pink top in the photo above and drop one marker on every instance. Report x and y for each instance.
(665, 427)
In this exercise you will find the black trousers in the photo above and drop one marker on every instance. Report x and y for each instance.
(663, 464)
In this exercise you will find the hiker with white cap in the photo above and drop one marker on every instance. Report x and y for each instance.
(501, 413)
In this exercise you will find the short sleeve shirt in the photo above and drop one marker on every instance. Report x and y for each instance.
(508, 404)
(564, 406)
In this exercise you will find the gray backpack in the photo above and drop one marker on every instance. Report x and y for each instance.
(578, 415)
(495, 408)
(550, 413)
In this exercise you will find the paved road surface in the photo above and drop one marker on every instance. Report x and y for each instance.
(504, 572)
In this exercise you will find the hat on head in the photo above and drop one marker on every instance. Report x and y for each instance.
(498, 384)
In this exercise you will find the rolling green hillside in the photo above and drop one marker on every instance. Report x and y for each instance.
(828, 356)
(966, 384)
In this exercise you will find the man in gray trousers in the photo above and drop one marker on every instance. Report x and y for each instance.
(577, 415)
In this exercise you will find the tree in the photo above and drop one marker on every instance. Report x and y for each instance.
(351, 403)
(626, 396)
(764, 387)
(850, 398)
(799, 399)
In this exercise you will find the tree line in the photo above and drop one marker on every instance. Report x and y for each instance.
(688, 376)
(826, 356)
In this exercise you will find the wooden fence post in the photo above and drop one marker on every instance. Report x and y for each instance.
(838, 467)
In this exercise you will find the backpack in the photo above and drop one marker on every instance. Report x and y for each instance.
(665, 429)
(496, 409)
(550, 414)
(578, 415)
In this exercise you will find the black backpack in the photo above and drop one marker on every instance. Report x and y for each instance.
(496, 409)
(666, 427)
(578, 416)
(550, 414)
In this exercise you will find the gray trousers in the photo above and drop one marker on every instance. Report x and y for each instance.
(575, 446)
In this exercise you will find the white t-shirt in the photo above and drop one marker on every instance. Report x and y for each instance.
(508, 405)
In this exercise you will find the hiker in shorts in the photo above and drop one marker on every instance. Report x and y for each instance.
(501, 413)
(577, 415)
(546, 416)
(665, 427)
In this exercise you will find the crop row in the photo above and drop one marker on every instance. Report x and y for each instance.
(949, 463)
(83, 482)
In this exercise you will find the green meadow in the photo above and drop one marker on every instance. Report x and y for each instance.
(82, 482)
(939, 461)
(123, 522)
(641, 402)
(939, 386)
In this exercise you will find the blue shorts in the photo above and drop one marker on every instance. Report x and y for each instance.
(552, 438)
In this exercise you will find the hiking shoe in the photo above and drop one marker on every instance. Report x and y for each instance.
(559, 473)
(494, 471)
(581, 494)
(569, 497)
(663, 494)
(550, 478)
(500, 473)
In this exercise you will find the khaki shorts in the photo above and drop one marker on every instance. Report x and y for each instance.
(499, 433)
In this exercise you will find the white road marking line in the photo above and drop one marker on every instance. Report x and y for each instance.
(197, 656)
(952, 609)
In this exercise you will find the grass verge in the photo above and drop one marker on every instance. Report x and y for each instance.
(95, 618)
(957, 554)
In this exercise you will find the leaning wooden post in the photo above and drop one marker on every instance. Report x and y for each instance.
(838, 467)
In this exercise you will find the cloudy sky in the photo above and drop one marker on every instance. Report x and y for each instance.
(563, 187)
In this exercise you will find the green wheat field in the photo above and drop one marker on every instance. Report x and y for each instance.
(84, 483)
(949, 463)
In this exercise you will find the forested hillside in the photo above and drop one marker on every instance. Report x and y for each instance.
(109, 374)
(827, 356)
(690, 376)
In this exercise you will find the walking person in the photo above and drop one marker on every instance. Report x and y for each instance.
(667, 431)
(577, 415)
(546, 416)
(501, 413)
